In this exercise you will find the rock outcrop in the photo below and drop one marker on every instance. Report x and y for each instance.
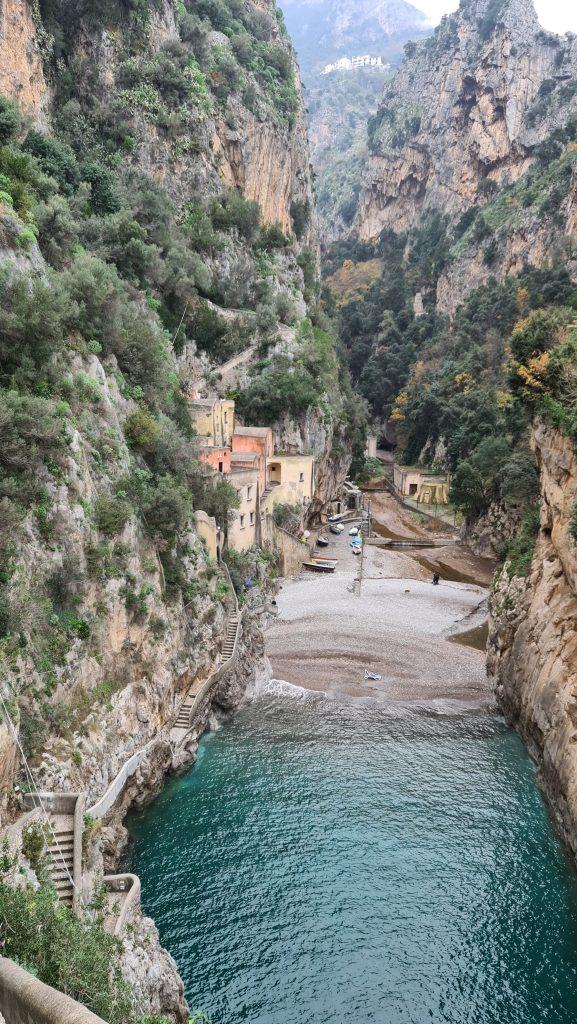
(532, 654)
(21, 67)
(464, 114)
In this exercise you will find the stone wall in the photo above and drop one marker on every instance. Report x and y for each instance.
(292, 552)
(26, 1000)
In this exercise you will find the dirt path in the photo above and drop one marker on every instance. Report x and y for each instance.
(326, 635)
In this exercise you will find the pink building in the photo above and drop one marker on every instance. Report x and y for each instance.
(251, 441)
(216, 457)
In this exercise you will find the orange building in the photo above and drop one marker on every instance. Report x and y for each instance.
(216, 457)
(254, 441)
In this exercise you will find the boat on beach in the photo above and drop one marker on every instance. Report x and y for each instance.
(337, 528)
(318, 566)
(322, 542)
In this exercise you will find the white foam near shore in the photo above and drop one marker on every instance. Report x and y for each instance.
(279, 688)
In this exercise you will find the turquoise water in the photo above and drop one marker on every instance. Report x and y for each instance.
(329, 862)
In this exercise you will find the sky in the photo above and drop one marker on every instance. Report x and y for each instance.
(555, 15)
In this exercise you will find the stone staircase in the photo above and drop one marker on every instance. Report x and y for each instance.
(60, 853)
(229, 640)
(182, 723)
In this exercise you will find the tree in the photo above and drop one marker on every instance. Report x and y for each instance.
(467, 489)
(220, 500)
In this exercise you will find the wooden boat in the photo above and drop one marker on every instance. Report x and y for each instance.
(323, 560)
(322, 542)
(320, 566)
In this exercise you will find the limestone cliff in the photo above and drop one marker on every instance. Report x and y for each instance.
(155, 178)
(464, 114)
(533, 637)
(21, 66)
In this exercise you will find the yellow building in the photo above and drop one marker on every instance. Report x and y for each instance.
(244, 530)
(426, 488)
(213, 420)
(290, 480)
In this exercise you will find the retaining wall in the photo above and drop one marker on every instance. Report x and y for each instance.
(292, 552)
(102, 806)
(26, 1000)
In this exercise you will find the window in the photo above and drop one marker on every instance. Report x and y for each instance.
(242, 519)
(252, 519)
(226, 417)
(221, 467)
(248, 493)
(302, 478)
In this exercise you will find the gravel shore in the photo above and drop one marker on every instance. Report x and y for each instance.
(327, 634)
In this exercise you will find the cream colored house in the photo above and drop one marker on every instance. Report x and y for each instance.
(244, 530)
(213, 421)
(290, 480)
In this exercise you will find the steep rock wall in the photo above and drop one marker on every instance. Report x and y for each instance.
(532, 654)
(266, 161)
(21, 71)
(455, 120)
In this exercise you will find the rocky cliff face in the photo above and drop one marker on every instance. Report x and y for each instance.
(21, 66)
(464, 114)
(165, 184)
(186, 136)
(533, 636)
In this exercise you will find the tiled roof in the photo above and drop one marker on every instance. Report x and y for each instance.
(244, 457)
(252, 431)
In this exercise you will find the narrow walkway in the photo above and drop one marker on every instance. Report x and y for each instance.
(182, 724)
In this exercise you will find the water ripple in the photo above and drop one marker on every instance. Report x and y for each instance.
(331, 861)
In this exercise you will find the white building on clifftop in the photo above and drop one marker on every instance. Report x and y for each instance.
(352, 63)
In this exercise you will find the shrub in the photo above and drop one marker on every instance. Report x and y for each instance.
(208, 328)
(521, 550)
(300, 216)
(233, 211)
(31, 432)
(142, 430)
(111, 514)
(287, 515)
(34, 312)
(34, 841)
(372, 468)
(103, 194)
(77, 957)
(55, 158)
(163, 503)
(573, 522)
(10, 120)
(279, 390)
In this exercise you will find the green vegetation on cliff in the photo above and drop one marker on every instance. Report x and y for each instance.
(128, 252)
(461, 391)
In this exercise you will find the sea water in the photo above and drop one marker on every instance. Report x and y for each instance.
(330, 861)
